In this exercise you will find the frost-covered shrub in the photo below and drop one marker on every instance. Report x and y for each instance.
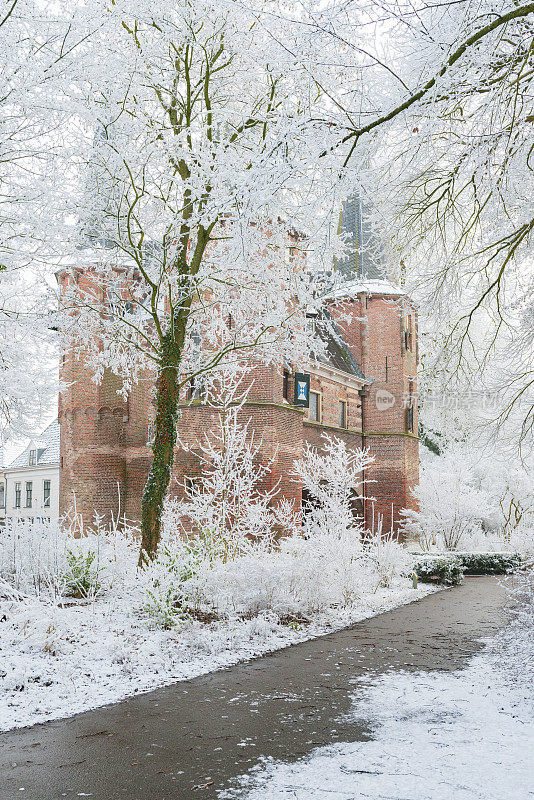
(449, 570)
(439, 569)
(489, 563)
(33, 556)
(332, 477)
(49, 561)
(513, 645)
(225, 510)
(303, 573)
(470, 500)
(81, 577)
(388, 556)
(328, 568)
(234, 550)
(298, 575)
(170, 581)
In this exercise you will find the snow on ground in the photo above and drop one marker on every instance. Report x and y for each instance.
(467, 735)
(55, 662)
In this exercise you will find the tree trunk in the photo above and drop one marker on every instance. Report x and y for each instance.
(167, 390)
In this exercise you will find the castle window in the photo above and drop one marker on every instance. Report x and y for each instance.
(17, 495)
(315, 407)
(410, 409)
(408, 333)
(32, 458)
(29, 491)
(192, 486)
(285, 385)
(46, 494)
(342, 414)
(196, 389)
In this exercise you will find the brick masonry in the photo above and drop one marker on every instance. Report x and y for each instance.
(105, 457)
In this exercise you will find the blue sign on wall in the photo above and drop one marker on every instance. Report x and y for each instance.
(302, 390)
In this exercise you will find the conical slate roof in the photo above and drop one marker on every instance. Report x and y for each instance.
(365, 258)
(99, 220)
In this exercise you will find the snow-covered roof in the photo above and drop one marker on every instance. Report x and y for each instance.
(336, 351)
(86, 257)
(355, 287)
(47, 447)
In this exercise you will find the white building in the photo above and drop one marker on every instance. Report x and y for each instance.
(31, 483)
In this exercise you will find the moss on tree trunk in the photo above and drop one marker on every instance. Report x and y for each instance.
(167, 394)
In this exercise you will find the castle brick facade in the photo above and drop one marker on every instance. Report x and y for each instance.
(371, 369)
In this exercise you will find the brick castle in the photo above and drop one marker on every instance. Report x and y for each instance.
(361, 391)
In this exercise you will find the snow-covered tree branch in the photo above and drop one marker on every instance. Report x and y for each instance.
(210, 208)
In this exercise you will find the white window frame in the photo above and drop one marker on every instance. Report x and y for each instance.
(46, 500)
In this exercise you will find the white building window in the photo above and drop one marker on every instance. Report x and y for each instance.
(32, 458)
(315, 407)
(29, 492)
(2, 496)
(46, 494)
(17, 495)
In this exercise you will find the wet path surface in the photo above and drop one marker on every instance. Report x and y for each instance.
(191, 739)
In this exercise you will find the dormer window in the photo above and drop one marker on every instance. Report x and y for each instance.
(32, 458)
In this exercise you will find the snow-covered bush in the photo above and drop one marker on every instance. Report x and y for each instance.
(389, 558)
(49, 561)
(296, 576)
(332, 478)
(225, 509)
(489, 563)
(166, 597)
(513, 645)
(469, 500)
(230, 561)
(81, 578)
(447, 570)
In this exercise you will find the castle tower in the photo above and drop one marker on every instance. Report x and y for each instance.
(104, 449)
(92, 430)
(103, 436)
(384, 344)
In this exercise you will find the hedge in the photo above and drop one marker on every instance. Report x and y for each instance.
(449, 569)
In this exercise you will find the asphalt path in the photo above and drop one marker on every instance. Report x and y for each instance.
(189, 740)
